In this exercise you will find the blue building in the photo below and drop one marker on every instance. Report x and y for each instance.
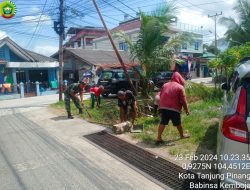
(20, 65)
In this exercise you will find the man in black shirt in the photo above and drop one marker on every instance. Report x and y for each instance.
(127, 104)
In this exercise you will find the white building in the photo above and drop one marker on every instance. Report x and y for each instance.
(132, 27)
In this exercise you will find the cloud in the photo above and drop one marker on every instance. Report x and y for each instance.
(196, 14)
(34, 9)
(230, 2)
(196, 18)
(32, 21)
(46, 50)
(3, 34)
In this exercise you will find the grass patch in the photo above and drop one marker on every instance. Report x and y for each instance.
(197, 92)
(202, 123)
(107, 114)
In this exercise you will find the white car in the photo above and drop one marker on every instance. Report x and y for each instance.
(233, 148)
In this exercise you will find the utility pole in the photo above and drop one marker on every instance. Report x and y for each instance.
(215, 27)
(59, 29)
(215, 39)
(61, 37)
(115, 48)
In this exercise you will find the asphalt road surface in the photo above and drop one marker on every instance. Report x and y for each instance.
(41, 149)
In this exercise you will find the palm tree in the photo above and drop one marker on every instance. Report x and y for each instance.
(238, 32)
(153, 49)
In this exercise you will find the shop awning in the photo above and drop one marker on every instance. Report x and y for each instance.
(29, 65)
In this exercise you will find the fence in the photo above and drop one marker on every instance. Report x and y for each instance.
(27, 89)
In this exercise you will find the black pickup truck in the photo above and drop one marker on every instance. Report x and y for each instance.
(114, 80)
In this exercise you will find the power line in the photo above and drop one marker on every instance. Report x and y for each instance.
(37, 23)
(196, 6)
(117, 8)
(42, 25)
(30, 34)
(127, 6)
(79, 14)
(26, 21)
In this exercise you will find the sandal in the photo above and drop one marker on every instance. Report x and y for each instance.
(159, 142)
(185, 136)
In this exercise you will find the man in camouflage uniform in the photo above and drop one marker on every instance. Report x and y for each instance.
(71, 93)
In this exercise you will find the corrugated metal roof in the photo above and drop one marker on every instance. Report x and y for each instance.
(39, 58)
(99, 57)
(27, 55)
(128, 25)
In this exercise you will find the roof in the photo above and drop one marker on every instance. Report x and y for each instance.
(85, 31)
(99, 57)
(128, 25)
(74, 30)
(27, 55)
(39, 58)
(208, 55)
(125, 26)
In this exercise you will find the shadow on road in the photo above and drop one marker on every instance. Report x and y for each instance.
(206, 154)
(59, 118)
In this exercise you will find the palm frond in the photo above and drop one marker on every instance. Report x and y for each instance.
(243, 9)
(238, 32)
(229, 22)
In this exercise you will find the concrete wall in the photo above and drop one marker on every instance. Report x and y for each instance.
(74, 65)
(191, 47)
(104, 43)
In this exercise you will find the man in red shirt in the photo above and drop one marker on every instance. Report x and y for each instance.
(95, 93)
(172, 99)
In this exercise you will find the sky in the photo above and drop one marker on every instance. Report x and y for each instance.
(32, 26)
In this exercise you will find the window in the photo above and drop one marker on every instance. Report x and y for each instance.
(106, 75)
(196, 45)
(20, 76)
(89, 41)
(123, 46)
(184, 46)
(120, 75)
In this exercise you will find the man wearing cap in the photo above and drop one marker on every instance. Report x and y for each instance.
(71, 93)
(127, 104)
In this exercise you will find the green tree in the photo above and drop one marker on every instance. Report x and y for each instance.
(238, 32)
(154, 49)
(215, 64)
(211, 48)
(227, 60)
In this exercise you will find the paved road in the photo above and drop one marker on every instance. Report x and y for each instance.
(41, 150)
(205, 81)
